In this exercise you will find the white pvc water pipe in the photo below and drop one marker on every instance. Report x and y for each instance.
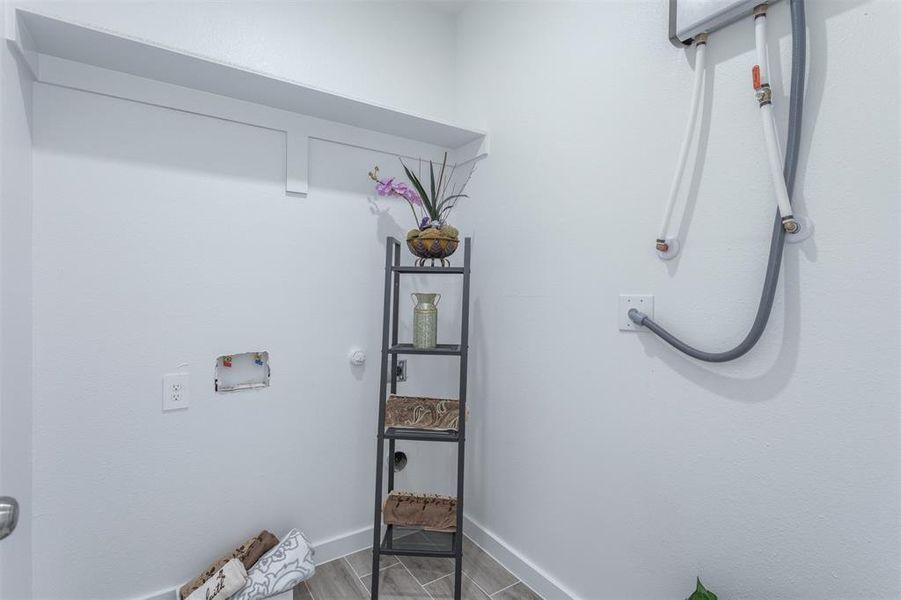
(764, 97)
(666, 247)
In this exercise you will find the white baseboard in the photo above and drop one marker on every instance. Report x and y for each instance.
(166, 594)
(172, 594)
(527, 571)
(347, 543)
(326, 550)
(342, 545)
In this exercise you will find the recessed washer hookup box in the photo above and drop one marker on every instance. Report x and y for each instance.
(688, 18)
(245, 371)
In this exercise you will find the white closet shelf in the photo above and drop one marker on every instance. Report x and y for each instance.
(43, 34)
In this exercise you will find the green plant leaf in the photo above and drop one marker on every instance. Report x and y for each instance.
(441, 182)
(702, 593)
(430, 209)
(456, 196)
(432, 181)
(445, 201)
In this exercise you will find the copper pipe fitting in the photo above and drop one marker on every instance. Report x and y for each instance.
(662, 246)
(790, 225)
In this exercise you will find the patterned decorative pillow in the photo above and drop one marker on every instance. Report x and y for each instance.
(280, 569)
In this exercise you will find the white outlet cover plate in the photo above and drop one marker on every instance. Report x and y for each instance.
(643, 302)
(176, 391)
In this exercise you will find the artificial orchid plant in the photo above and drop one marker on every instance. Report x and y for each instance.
(430, 207)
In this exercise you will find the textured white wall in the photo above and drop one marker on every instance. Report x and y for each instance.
(16, 321)
(366, 50)
(164, 238)
(608, 460)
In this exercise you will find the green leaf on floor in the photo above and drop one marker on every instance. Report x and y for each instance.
(702, 593)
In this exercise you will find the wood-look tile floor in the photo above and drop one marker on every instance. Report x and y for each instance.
(414, 578)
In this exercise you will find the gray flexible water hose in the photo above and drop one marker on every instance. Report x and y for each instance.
(796, 106)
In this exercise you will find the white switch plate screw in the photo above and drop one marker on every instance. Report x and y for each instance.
(643, 302)
(176, 393)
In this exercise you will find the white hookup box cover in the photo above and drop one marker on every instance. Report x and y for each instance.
(705, 16)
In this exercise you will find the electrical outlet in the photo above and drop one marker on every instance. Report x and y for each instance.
(643, 302)
(401, 373)
(176, 393)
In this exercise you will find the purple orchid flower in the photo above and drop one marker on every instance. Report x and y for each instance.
(388, 187)
(412, 196)
(385, 187)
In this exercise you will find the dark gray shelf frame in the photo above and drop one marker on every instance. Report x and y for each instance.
(419, 435)
(448, 545)
(449, 349)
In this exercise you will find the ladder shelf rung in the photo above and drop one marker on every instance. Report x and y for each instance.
(418, 552)
(405, 541)
(421, 435)
(440, 349)
(437, 270)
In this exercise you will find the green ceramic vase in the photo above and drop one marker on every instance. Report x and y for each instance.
(425, 320)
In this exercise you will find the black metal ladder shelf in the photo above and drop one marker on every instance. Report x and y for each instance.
(396, 540)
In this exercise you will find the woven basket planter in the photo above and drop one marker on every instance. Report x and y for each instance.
(435, 248)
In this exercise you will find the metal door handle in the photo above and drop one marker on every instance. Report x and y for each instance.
(9, 515)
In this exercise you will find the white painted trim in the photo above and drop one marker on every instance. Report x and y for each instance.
(325, 551)
(109, 49)
(342, 545)
(162, 86)
(172, 594)
(528, 572)
(297, 161)
(166, 594)
(473, 151)
(298, 129)
(18, 38)
(88, 44)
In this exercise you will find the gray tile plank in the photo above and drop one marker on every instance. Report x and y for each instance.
(484, 570)
(520, 591)
(437, 538)
(396, 583)
(302, 592)
(443, 589)
(426, 568)
(335, 580)
(361, 561)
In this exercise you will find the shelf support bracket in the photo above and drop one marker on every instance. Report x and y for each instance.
(297, 164)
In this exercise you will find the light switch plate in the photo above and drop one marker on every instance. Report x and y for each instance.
(176, 391)
(643, 302)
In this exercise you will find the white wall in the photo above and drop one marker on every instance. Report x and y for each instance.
(365, 50)
(616, 465)
(16, 321)
(163, 238)
(613, 464)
